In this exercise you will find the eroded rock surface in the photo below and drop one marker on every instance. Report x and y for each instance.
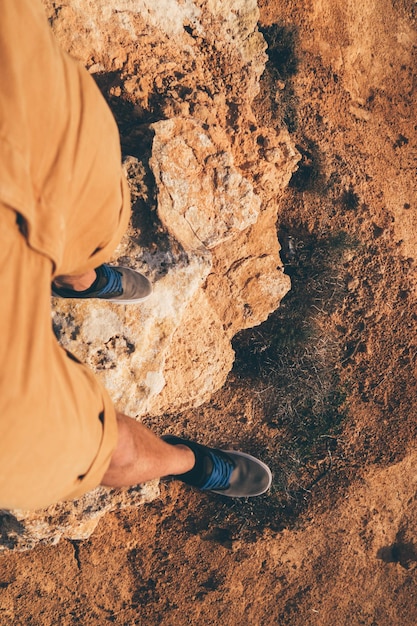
(205, 181)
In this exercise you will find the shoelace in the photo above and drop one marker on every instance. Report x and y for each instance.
(220, 473)
(114, 281)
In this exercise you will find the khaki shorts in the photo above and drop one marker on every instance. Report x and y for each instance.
(64, 205)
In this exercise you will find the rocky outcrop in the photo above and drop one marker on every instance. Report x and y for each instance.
(205, 181)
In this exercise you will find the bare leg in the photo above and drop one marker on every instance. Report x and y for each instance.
(141, 456)
(81, 282)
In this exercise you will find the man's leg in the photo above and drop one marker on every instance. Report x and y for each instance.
(141, 455)
(79, 282)
(118, 284)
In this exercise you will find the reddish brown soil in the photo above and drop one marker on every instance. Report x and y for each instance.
(334, 543)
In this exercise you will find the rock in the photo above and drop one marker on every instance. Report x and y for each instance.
(203, 200)
(194, 369)
(23, 530)
(205, 181)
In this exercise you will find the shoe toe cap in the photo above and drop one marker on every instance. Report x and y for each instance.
(135, 285)
(251, 476)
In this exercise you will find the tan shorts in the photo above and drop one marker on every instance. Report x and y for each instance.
(64, 205)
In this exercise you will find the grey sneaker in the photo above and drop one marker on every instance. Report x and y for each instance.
(227, 472)
(114, 284)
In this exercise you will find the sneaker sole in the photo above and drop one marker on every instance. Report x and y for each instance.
(117, 301)
(114, 300)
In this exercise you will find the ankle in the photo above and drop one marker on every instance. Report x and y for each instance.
(80, 282)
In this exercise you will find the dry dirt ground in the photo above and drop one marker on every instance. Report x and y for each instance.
(324, 391)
